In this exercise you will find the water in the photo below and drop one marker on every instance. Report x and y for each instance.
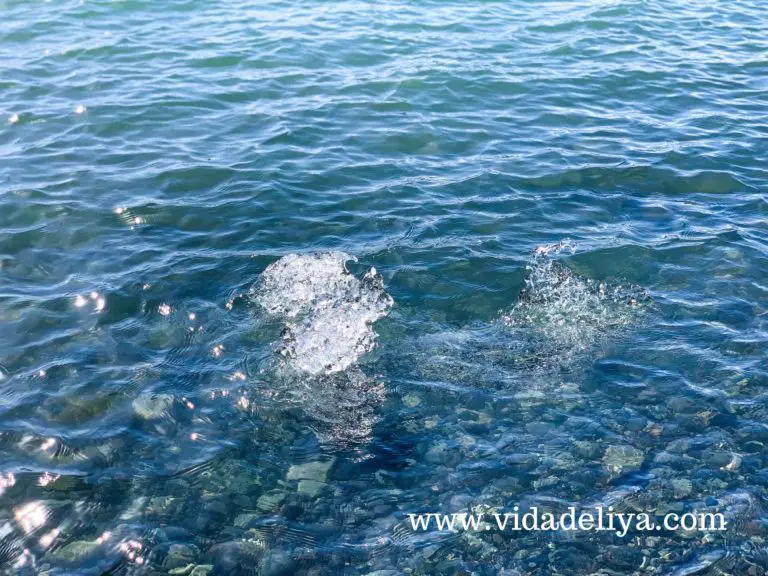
(565, 207)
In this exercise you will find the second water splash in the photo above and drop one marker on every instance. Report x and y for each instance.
(561, 316)
(559, 324)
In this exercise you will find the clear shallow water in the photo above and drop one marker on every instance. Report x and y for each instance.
(161, 157)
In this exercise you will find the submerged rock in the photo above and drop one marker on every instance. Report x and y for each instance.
(229, 557)
(270, 502)
(411, 400)
(317, 471)
(682, 487)
(622, 458)
(243, 520)
(622, 558)
(180, 556)
(75, 552)
(152, 406)
(311, 487)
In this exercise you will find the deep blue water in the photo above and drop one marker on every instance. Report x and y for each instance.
(565, 206)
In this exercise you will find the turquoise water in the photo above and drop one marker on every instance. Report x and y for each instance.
(565, 206)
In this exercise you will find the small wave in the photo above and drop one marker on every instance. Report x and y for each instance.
(328, 312)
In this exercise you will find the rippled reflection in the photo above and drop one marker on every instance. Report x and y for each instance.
(193, 373)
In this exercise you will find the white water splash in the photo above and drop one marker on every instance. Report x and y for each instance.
(566, 314)
(559, 324)
(328, 312)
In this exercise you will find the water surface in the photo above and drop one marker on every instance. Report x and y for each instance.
(565, 206)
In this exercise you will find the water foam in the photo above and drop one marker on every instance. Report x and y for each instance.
(328, 312)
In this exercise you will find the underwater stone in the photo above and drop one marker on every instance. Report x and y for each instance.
(75, 551)
(623, 558)
(636, 424)
(171, 534)
(586, 449)
(681, 487)
(668, 459)
(160, 505)
(202, 570)
(180, 555)
(242, 520)
(311, 487)
(538, 428)
(621, 458)
(269, 502)
(681, 404)
(718, 458)
(439, 454)
(279, 563)
(411, 400)
(152, 406)
(317, 471)
(229, 557)
(545, 482)
(430, 423)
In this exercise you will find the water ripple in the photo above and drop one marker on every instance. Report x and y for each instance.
(158, 159)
